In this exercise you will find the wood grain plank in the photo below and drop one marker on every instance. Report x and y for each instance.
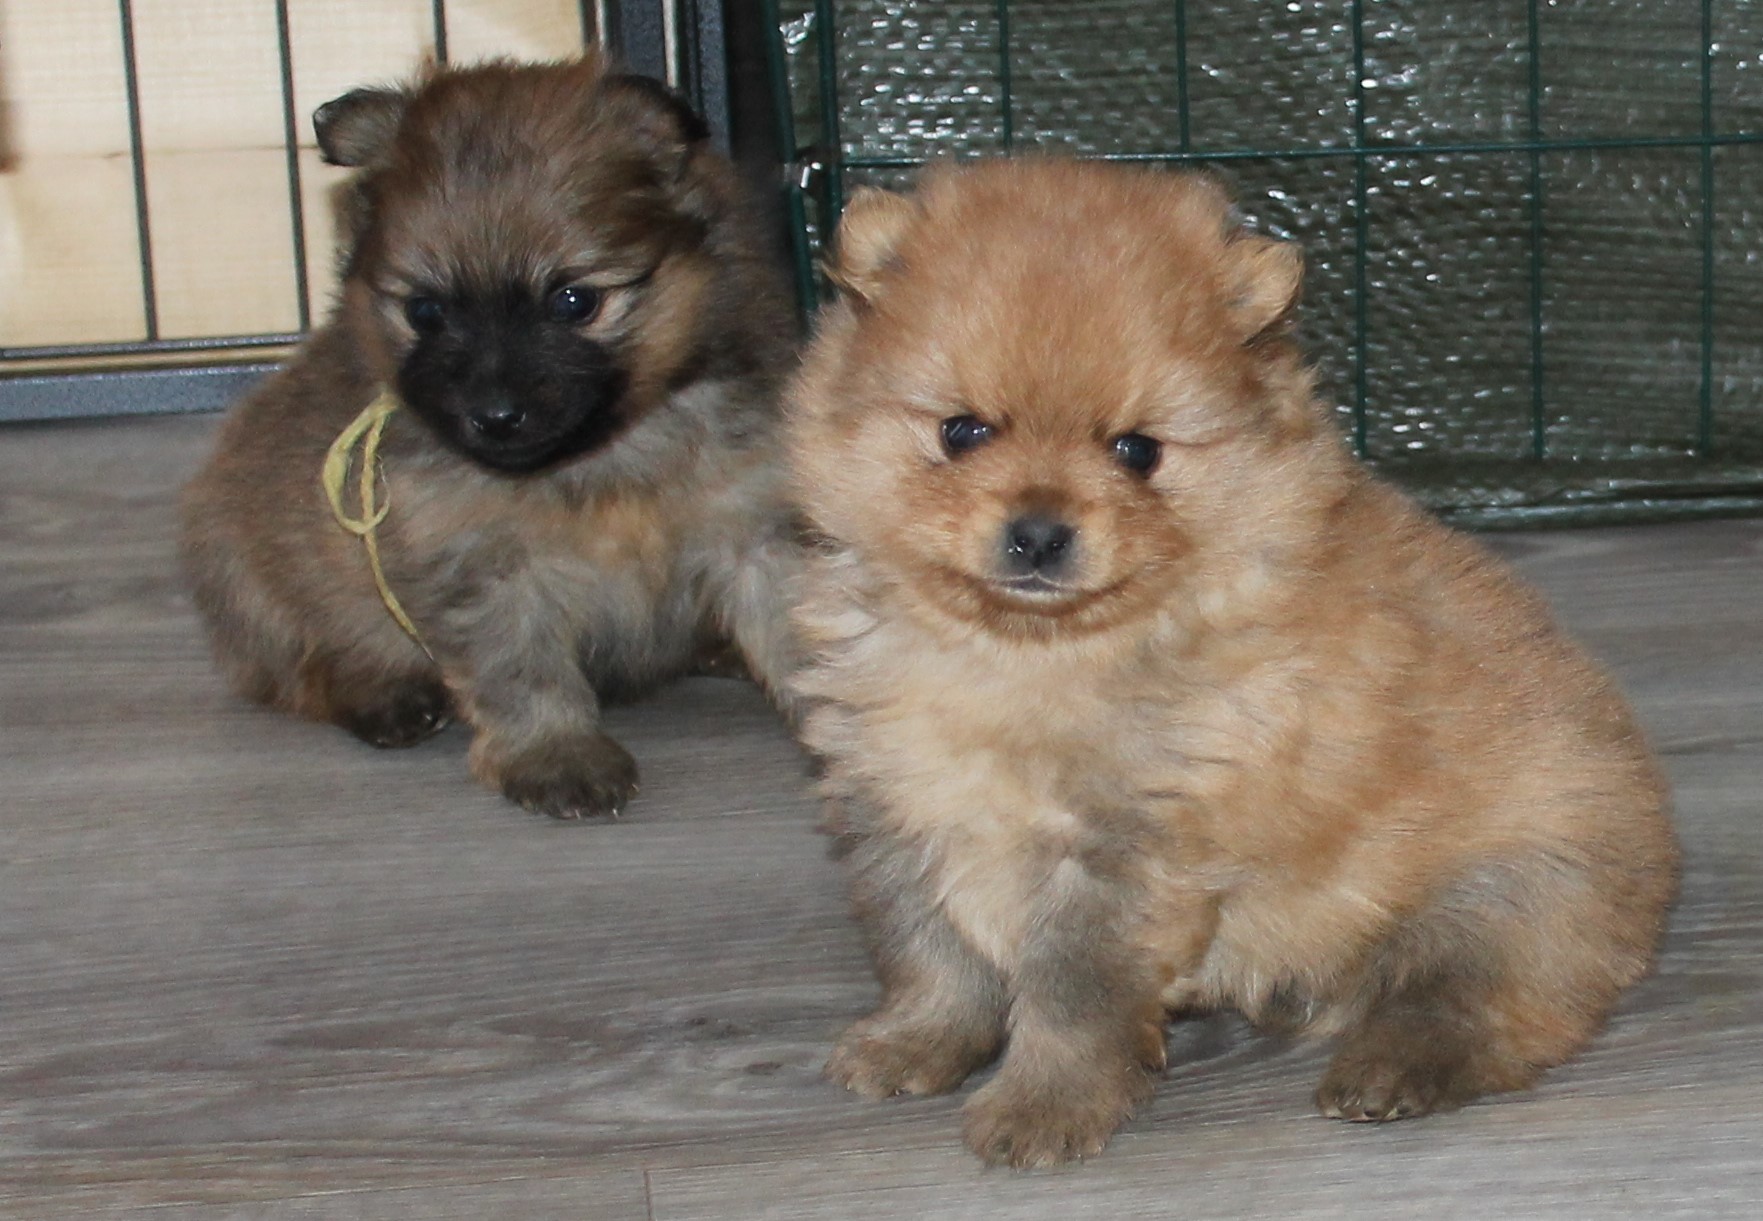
(588, 1196)
(1661, 1155)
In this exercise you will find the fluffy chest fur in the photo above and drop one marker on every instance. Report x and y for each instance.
(623, 562)
(1008, 765)
(1260, 796)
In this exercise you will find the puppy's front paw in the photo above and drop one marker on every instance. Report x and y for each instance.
(403, 716)
(1027, 1121)
(591, 777)
(882, 1056)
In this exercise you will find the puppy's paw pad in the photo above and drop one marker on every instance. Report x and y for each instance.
(878, 1060)
(595, 778)
(404, 717)
(1007, 1124)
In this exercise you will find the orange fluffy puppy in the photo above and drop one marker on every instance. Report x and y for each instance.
(1137, 694)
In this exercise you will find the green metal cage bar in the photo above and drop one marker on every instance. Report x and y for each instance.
(1652, 487)
(1539, 442)
(1006, 117)
(1361, 240)
(795, 185)
(1705, 421)
(833, 170)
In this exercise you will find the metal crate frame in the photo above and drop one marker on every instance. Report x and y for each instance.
(815, 191)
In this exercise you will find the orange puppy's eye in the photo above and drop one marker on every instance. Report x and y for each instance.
(965, 432)
(1137, 452)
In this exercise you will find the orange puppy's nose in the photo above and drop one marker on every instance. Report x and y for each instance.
(1037, 544)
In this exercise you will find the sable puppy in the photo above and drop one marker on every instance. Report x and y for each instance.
(560, 281)
(1136, 694)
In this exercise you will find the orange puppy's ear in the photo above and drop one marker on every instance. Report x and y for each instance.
(1269, 276)
(868, 232)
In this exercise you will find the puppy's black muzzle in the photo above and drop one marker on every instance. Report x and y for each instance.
(515, 394)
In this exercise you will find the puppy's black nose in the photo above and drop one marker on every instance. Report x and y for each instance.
(497, 419)
(1037, 544)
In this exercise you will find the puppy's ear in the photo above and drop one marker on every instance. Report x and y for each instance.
(868, 232)
(660, 116)
(357, 128)
(1269, 276)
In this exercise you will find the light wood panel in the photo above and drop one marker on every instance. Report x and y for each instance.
(212, 128)
(249, 968)
(68, 254)
(531, 29)
(336, 48)
(217, 181)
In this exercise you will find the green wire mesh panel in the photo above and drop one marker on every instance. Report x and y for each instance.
(1536, 267)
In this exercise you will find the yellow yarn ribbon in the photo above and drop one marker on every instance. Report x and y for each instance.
(365, 432)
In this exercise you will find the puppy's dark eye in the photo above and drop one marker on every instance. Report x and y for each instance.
(964, 432)
(574, 304)
(426, 315)
(1137, 452)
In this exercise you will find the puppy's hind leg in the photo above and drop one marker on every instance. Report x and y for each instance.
(1417, 1051)
(942, 1010)
(378, 685)
(1505, 975)
(386, 701)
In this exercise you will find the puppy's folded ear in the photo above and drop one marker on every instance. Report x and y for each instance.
(1269, 275)
(357, 128)
(868, 233)
(660, 116)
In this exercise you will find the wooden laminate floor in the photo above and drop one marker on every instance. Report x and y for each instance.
(250, 968)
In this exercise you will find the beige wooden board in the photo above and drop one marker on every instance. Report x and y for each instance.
(223, 242)
(68, 250)
(217, 180)
(530, 29)
(249, 968)
(221, 218)
(61, 66)
(209, 75)
(335, 48)
(69, 258)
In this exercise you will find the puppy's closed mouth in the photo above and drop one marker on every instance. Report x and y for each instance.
(1035, 594)
(1034, 586)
